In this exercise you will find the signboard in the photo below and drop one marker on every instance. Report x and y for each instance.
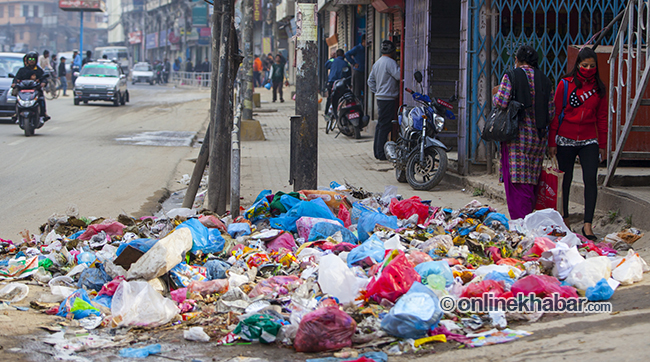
(205, 32)
(162, 39)
(135, 37)
(266, 45)
(257, 10)
(306, 22)
(85, 5)
(200, 15)
(193, 35)
(151, 41)
(173, 37)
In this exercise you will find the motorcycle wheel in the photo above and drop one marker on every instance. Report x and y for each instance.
(430, 173)
(400, 175)
(347, 129)
(28, 126)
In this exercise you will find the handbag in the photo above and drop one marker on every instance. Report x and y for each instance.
(549, 188)
(503, 124)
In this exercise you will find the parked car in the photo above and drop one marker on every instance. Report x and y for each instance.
(101, 80)
(10, 63)
(142, 72)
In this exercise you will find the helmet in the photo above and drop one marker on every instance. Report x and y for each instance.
(387, 47)
(31, 55)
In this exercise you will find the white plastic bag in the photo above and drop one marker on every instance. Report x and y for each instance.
(163, 256)
(196, 334)
(14, 292)
(136, 303)
(542, 222)
(630, 269)
(394, 244)
(564, 258)
(589, 272)
(336, 279)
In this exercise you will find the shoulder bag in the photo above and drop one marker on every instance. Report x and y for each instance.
(503, 124)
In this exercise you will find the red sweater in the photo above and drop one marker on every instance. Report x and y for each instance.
(585, 122)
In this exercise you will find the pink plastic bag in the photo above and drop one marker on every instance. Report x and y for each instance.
(211, 221)
(541, 245)
(542, 286)
(406, 208)
(417, 257)
(285, 240)
(111, 228)
(110, 287)
(395, 279)
(305, 223)
(325, 329)
(280, 284)
(208, 287)
(344, 215)
(179, 295)
(476, 290)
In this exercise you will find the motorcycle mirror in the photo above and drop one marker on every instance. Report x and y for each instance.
(122, 76)
(11, 75)
(76, 74)
(418, 76)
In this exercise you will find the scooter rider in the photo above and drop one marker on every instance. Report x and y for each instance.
(335, 73)
(32, 71)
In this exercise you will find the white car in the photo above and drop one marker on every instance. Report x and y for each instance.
(101, 80)
(142, 72)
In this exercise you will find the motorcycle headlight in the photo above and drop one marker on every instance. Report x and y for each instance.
(439, 122)
(27, 103)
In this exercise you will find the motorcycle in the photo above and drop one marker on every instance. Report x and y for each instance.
(419, 157)
(28, 108)
(349, 117)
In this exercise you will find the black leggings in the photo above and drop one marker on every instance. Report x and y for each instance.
(589, 160)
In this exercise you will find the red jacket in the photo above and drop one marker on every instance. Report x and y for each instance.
(582, 123)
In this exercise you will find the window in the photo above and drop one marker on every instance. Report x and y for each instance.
(25, 11)
(2, 11)
(36, 11)
(10, 10)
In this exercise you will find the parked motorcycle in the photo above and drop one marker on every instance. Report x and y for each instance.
(28, 108)
(418, 156)
(349, 117)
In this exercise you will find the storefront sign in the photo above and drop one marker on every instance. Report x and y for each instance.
(151, 41)
(135, 37)
(205, 32)
(266, 45)
(257, 10)
(200, 15)
(306, 22)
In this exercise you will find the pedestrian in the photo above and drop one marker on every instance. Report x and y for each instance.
(177, 64)
(257, 71)
(384, 82)
(277, 76)
(206, 66)
(76, 65)
(166, 69)
(582, 131)
(87, 59)
(53, 62)
(44, 61)
(357, 57)
(62, 74)
(335, 68)
(269, 65)
(521, 158)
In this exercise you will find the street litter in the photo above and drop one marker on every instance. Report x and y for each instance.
(335, 270)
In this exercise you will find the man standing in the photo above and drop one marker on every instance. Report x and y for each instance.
(44, 61)
(76, 65)
(336, 72)
(357, 57)
(87, 59)
(62, 74)
(277, 76)
(384, 82)
(257, 71)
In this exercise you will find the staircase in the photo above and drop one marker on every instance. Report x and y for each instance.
(443, 76)
(629, 70)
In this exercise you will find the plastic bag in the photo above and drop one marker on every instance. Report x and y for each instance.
(261, 209)
(476, 290)
(196, 334)
(258, 327)
(344, 215)
(141, 244)
(81, 310)
(208, 287)
(544, 222)
(336, 279)
(589, 272)
(136, 303)
(405, 208)
(630, 269)
(211, 221)
(14, 292)
(306, 223)
(325, 329)
(285, 240)
(439, 267)
(540, 245)
(414, 314)
(163, 256)
(93, 278)
(368, 221)
(563, 258)
(140, 352)
(370, 252)
(203, 239)
(542, 286)
(111, 228)
(396, 278)
(216, 269)
(280, 284)
(110, 287)
(500, 277)
(359, 207)
(417, 257)
(495, 217)
(314, 208)
(323, 230)
(600, 291)
(239, 229)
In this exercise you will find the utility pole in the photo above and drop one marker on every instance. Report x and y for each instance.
(247, 68)
(304, 126)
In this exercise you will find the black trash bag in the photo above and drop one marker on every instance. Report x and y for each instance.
(93, 278)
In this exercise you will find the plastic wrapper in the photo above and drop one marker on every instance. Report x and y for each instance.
(276, 285)
(14, 292)
(81, 310)
(406, 208)
(344, 215)
(258, 327)
(260, 209)
(414, 314)
(93, 278)
(589, 272)
(163, 256)
(368, 221)
(336, 279)
(332, 199)
(395, 279)
(182, 274)
(208, 287)
(542, 286)
(370, 252)
(599, 292)
(196, 334)
(325, 329)
(136, 303)
(439, 267)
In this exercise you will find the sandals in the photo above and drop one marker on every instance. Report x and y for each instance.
(591, 237)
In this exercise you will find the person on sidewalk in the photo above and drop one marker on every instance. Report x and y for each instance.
(583, 131)
(76, 65)
(87, 59)
(277, 77)
(335, 68)
(521, 158)
(357, 57)
(384, 82)
(62, 74)
(257, 71)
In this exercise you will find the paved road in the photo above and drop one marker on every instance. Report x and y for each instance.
(77, 159)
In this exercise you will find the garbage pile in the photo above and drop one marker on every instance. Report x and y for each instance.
(338, 269)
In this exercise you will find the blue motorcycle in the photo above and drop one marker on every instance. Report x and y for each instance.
(418, 156)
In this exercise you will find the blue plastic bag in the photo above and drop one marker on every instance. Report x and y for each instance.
(372, 247)
(313, 208)
(357, 209)
(439, 267)
(415, 313)
(600, 291)
(260, 209)
(239, 229)
(495, 216)
(93, 278)
(140, 352)
(499, 276)
(67, 303)
(323, 230)
(105, 300)
(201, 237)
(289, 201)
(368, 221)
(216, 269)
(141, 244)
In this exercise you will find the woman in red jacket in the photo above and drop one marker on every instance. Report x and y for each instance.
(582, 131)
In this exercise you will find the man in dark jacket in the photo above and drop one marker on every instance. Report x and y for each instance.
(87, 59)
(336, 72)
(32, 71)
(62, 74)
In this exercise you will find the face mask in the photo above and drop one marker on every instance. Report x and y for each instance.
(588, 73)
